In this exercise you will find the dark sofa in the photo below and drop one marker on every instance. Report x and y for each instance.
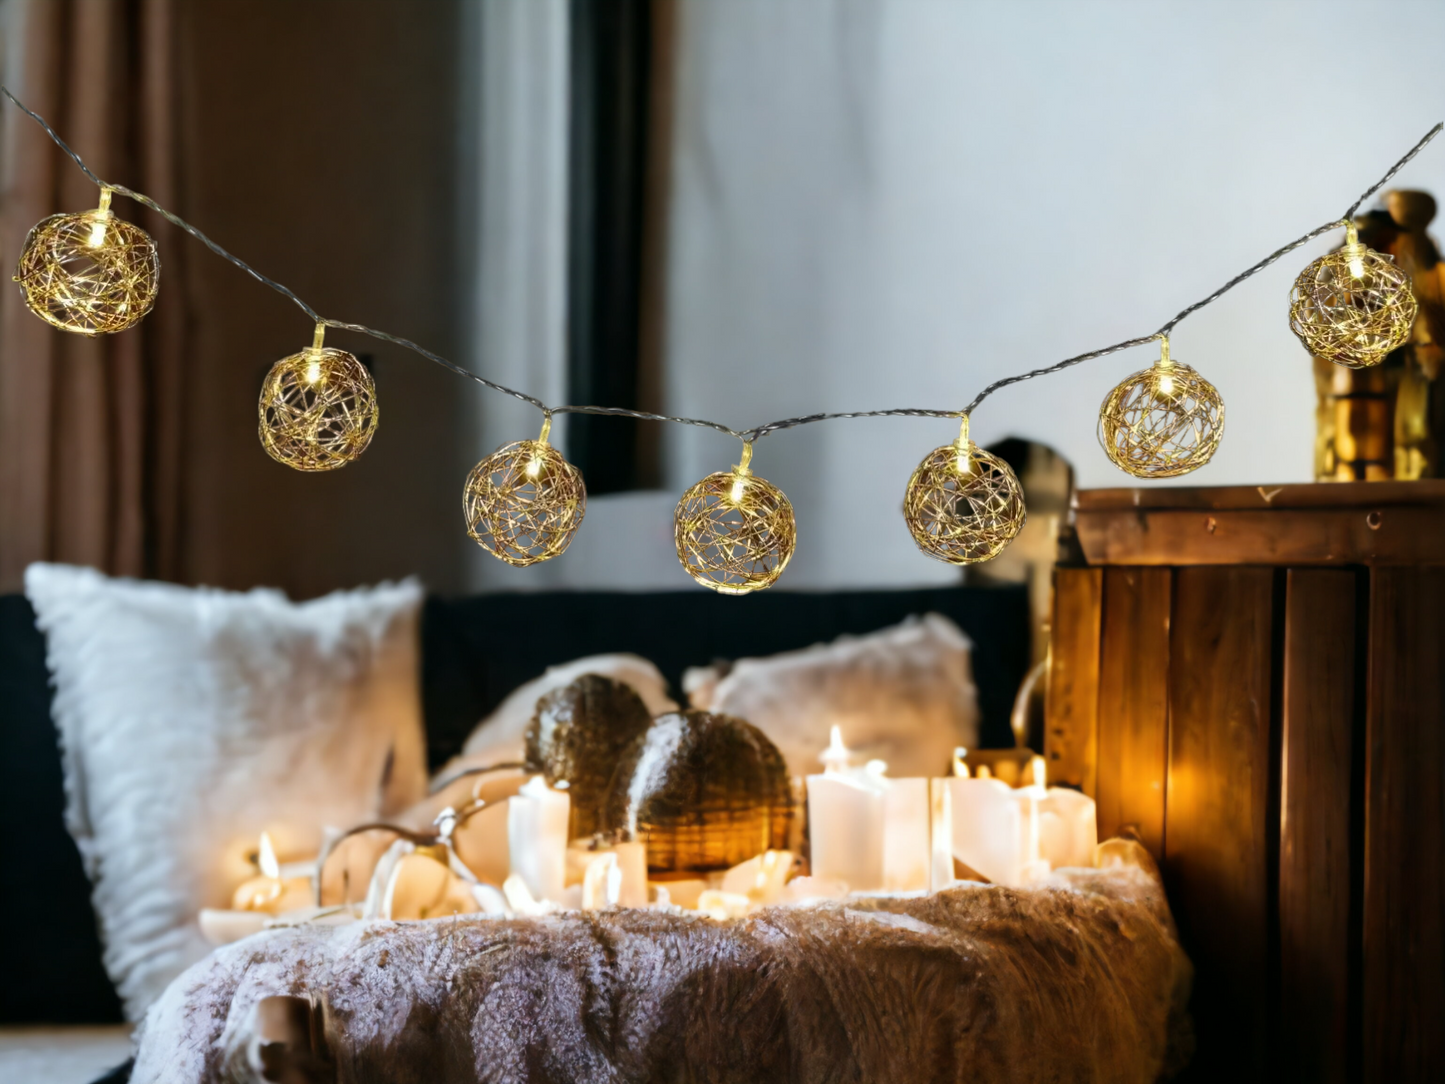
(472, 657)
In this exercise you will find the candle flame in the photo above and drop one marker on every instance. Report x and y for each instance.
(983, 772)
(266, 857)
(1040, 771)
(835, 757)
(960, 769)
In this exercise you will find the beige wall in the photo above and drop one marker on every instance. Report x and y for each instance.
(320, 142)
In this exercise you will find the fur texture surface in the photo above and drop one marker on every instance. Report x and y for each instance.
(192, 720)
(1081, 980)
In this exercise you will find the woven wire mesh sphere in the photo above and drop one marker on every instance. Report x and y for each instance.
(735, 532)
(318, 409)
(1162, 422)
(524, 502)
(963, 504)
(90, 273)
(1353, 306)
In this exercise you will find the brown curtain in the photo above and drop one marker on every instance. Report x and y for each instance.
(91, 430)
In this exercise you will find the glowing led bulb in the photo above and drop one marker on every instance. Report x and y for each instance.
(534, 466)
(313, 369)
(99, 220)
(1357, 267)
(739, 486)
(1166, 384)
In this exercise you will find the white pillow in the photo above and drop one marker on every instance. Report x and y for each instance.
(192, 720)
(904, 695)
(501, 735)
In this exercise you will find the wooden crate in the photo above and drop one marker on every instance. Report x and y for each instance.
(1254, 680)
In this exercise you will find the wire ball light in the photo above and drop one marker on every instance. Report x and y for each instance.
(90, 273)
(735, 531)
(524, 502)
(318, 408)
(1353, 306)
(963, 504)
(1162, 422)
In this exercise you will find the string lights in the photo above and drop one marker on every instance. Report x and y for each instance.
(91, 272)
(963, 504)
(318, 408)
(1353, 306)
(524, 502)
(1162, 422)
(735, 532)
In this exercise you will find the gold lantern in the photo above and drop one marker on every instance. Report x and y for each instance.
(1162, 422)
(735, 532)
(1352, 306)
(524, 502)
(318, 408)
(963, 504)
(91, 272)
(578, 734)
(704, 792)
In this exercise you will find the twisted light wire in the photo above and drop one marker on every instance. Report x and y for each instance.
(748, 436)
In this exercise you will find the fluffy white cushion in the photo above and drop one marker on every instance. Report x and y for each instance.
(192, 720)
(500, 736)
(904, 695)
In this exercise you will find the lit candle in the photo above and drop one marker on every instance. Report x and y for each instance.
(537, 838)
(845, 822)
(761, 878)
(270, 892)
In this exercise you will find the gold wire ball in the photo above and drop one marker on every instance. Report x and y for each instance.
(735, 532)
(524, 502)
(1162, 422)
(1353, 306)
(963, 504)
(318, 409)
(90, 273)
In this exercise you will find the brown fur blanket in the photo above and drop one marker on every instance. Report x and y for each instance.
(1078, 981)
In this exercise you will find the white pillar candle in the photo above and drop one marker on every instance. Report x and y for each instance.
(906, 855)
(632, 861)
(537, 838)
(845, 830)
(1069, 830)
(1032, 863)
(986, 827)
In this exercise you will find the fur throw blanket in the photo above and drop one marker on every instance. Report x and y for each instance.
(1081, 980)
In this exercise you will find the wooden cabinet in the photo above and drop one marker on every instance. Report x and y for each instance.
(1253, 679)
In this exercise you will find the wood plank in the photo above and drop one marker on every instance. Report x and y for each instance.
(1380, 534)
(1071, 705)
(1133, 703)
(1259, 498)
(1316, 866)
(1404, 905)
(1218, 847)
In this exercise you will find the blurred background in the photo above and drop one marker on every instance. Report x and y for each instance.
(743, 210)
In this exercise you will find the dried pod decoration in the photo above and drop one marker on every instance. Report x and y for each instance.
(579, 734)
(318, 408)
(91, 273)
(735, 532)
(704, 792)
(524, 502)
(1162, 422)
(1353, 306)
(963, 504)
